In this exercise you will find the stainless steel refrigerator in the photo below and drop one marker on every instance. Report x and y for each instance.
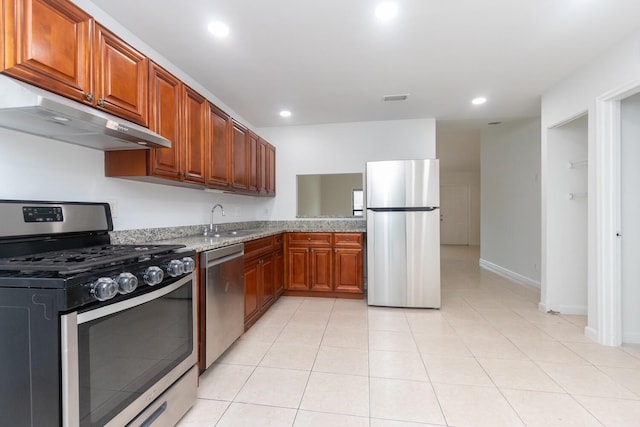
(403, 233)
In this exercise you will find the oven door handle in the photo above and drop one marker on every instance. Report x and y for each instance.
(107, 310)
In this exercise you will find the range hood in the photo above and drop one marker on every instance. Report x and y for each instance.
(29, 109)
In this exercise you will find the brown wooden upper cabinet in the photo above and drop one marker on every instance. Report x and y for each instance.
(195, 109)
(253, 165)
(180, 114)
(218, 165)
(270, 163)
(49, 44)
(121, 77)
(240, 157)
(165, 105)
(55, 45)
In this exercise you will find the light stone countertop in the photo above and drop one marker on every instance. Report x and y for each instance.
(192, 236)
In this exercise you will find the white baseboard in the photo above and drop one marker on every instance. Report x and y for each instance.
(564, 309)
(591, 333)
(511, 275)
(580, 310)
(631, 337)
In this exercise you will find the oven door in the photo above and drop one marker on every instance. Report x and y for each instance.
(118, 358)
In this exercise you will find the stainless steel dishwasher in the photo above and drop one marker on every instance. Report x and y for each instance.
(223, 271)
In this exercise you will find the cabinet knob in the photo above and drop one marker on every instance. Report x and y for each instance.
(101, 102)
(308, 238)
(89, 96)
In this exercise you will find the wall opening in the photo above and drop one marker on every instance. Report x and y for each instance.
(567, 217)
(630, 217)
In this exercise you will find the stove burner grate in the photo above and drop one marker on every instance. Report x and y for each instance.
(83, 259)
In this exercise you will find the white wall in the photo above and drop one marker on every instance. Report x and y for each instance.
(510, 192)
(35, 168)
(564, 287)
(310, 200)
(342, 148)
(472, 181)
(630, 201)
(337, 193)
(616, 69)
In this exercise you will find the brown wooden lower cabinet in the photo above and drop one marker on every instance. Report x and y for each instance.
(263, 278)
(324, 264)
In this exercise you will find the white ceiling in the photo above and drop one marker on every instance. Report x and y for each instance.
(332, 61)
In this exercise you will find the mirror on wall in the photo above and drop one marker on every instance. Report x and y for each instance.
(330, 195)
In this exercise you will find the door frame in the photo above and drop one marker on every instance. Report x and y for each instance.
(608, 214)
(468, 219)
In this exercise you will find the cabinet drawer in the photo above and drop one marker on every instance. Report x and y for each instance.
(309, 239)
(351, 240)
(255, 248)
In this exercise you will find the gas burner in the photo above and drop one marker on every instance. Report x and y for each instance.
(74, 261)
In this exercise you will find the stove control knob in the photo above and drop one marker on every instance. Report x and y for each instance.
(175, 268)
(189, 264)
(104, 288)
(127, 283)
(153, 276)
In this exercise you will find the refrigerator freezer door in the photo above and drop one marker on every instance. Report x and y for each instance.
(403, 183)
(403, 258)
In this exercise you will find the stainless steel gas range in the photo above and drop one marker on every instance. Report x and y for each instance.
(91, 334)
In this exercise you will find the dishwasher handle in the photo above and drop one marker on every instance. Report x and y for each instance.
(219, 256)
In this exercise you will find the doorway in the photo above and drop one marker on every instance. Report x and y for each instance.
(454, 214)
(565, 287)
(630, 217)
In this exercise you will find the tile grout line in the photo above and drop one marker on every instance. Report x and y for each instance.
(314, 359)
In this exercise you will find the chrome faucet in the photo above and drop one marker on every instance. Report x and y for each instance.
(214, 228)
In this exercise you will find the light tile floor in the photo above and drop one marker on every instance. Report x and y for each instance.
(487, 358)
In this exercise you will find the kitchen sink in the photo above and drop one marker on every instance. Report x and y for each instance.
(237, 233)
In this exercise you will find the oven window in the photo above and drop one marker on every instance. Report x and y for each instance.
(124, 354)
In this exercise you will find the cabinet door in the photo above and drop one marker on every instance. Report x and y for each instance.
(267, 294)
(121, 77)
(239, 157)
(218, 145)
(348, 270)
(251, 290)
(321, 267)
(47, 43)
(194, 135)
(278, 272)
(263, 166)
(271, 170)
(254, 167)
(164, 109)
(297, 269)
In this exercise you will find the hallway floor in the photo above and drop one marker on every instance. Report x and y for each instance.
(487, 358)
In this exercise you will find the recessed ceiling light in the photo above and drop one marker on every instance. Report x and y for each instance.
(386, 11)
(219, 29)
(479, 100)
(285, 113)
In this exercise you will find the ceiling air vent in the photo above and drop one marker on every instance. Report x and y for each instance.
(400, 97)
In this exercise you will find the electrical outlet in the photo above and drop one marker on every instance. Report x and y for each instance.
(113, 204)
